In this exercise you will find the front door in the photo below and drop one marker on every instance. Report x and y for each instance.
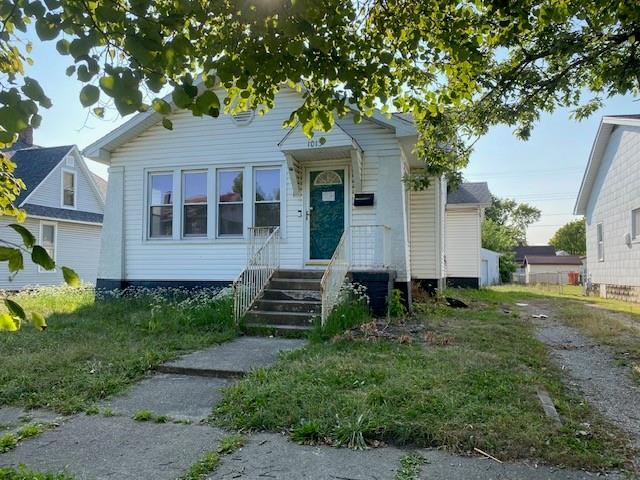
(326, 212)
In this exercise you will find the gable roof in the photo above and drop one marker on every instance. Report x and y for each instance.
(101, 184)
(470, 193)
(533, 250)
(607, 125)
(552, 260)
(101, 149)
(33, 165)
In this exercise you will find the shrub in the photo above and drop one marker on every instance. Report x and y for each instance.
(395, 305)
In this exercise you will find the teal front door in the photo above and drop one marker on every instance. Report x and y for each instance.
(326, 212)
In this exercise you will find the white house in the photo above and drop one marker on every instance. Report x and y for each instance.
(609, 198)
(194, 205)
(64, 202)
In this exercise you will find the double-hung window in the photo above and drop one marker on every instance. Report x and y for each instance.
(160, 205)
(230, 203)
(48, 240)
(194, 198)
(267, 197)
(68, 189)
(635, 224)
(600, 239)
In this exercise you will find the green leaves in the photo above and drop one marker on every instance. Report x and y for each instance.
(14, 258)
(89, 95)
(70, 277)
(15, 309)
(39, 256)
(27, 237)
(161, 106)
(46, 28)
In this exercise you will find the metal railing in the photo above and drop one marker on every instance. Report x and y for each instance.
(334, 276)
(263, 253)
(369, 247)
(361, 247)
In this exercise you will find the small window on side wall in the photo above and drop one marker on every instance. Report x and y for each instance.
(600, 240)
(267, 197)
(68, 189)
(48, 241)
(160, 205)
(635, 224)
(230, 203)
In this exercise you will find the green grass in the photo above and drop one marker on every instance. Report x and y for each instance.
(479, 391)
(230, 444)
(410, 467)
(23, 474)
(95, 349)
(207, 463)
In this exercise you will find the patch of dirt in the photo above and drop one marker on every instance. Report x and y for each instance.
(401, 332)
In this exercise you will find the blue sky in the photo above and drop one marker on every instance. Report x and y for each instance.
(545, 171)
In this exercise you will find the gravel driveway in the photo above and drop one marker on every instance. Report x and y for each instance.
(592, 368)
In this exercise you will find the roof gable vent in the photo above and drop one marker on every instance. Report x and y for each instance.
(243, 118)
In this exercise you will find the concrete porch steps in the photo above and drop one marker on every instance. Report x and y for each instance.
(289, 304)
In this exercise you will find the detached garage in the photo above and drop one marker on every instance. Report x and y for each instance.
(489, 267)
(551, 269)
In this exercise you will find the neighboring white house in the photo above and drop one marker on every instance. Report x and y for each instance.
(609, 198)
(490, 267)
(551, 269)
(64, 204)
(185, 206)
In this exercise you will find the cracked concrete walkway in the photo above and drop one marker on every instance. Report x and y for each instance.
(116, 447)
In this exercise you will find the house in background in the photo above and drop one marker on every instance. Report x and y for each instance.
(556, 269)
(238, 199)
(609, 199)
(64, 204)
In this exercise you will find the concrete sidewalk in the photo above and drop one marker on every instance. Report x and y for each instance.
(116, 447)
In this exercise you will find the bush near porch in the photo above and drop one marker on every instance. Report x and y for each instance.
(477, 389)
(93, 349)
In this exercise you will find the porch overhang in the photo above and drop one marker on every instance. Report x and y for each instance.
(334, 145)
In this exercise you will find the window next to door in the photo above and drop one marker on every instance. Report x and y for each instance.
(266, 197)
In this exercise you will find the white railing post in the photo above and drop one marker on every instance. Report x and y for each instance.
(262, 260)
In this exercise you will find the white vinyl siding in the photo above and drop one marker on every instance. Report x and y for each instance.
(615, 194)
(203, 142)
(463, 242)
(423, 232)
(77, 247)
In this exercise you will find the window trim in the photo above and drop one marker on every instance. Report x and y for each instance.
(184, 204)
(240, 169)
(55, 243)
(253, 191)
(75, 188)
(635, 227)
(600, 241)
(149, 205)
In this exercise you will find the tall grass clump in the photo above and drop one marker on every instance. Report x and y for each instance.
(352, 310)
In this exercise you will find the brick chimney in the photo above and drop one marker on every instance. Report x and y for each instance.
(26, 136)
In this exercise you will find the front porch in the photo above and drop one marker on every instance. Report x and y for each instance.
(284, 299)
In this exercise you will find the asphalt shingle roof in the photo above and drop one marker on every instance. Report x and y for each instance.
(533, 250)
(552, 260)
(34, 164)
(62, 213)
(470, 192)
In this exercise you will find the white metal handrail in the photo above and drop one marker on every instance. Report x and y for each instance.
(334, 276)
(263, 260)
(369, 247)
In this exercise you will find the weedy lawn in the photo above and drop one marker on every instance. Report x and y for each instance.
(475, 387)
(93, 349)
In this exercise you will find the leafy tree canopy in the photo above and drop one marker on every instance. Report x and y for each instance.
(516, 217)
(572, 238)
